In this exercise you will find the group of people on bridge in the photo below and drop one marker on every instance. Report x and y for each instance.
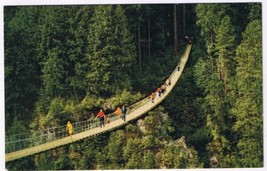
(161, 90)
(189, 39)
(103, 118)
(121, 111)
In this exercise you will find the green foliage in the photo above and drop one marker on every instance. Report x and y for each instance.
(132, 149)
(249, 105)
(21, 72)
(173, 156)
(26, 163)
(112, 155)
(255, 11)
(90, 101)
(44, 161)
(225, 47)
(56, 114)
(84, 154)
(133, 131)
(121, 97)
(78, 43)
(201, 70)
(158, 123)
(132, 154)
(148, 142)
(65, 62)
(17, 127)
(217, 82)
(216, 119)
(110, 52)
(149, 161)
(53, 72)
(154, 73)
(55, 159)
(200, 137)
(208, 18)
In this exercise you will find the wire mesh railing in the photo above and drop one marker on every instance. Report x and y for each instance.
(25, 140)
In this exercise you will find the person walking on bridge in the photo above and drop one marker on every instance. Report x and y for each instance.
(169, 82)
(163, 88)
(118, 112)
(69, 128)
(101, 116)
(158, 92)
(152, 97)
(124, 111)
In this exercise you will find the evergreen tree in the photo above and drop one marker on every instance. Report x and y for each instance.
(225, 46)
(22, 74)
(220, 43)
(56, 35)
(248, 108)
(110, 51)
(221, 127)
(132, 154)
(53, 74)
(209, 17)
(78, 42)
(113, 158)
(255, 11)
(83, 155)
(149, 161)
(56, 159)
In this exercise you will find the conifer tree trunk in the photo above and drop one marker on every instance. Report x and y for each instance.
(176, 49)
(139, 50)
(212, 54)
(148, 22)
(184, 17)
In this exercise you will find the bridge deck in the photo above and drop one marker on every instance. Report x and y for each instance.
(113, 125)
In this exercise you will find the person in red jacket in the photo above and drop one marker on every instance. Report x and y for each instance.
(101, 116)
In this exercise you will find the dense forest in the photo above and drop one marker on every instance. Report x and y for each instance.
(65, 62)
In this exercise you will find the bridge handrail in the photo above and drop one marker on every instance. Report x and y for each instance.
(24, 140)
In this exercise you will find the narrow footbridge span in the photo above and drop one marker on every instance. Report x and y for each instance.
(22, 145)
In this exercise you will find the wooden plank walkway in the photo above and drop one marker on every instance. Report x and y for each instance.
(113, 125)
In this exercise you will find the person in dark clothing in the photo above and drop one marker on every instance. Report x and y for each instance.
(159, 92)
(163, 88)
(124, 111)
(169, 82)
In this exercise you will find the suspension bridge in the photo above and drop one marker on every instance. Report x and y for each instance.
(22, 145)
